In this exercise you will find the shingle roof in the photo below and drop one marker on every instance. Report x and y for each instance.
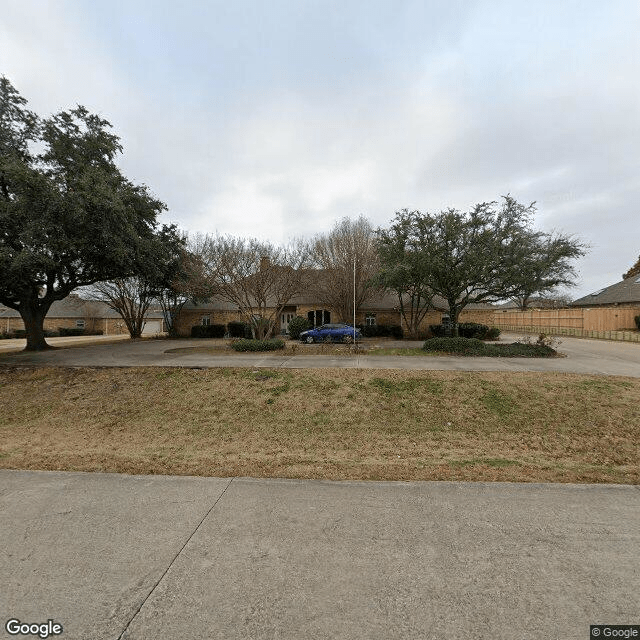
(75, 307)
(625, 292)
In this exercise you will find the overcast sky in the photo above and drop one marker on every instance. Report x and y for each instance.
(275, 118)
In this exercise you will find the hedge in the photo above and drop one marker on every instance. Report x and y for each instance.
(237, 329)
(257, 345)
(475, 347)
(208, 331)
(382, 331)
(468, 330)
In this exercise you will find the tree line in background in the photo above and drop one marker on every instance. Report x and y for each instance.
(70, 219)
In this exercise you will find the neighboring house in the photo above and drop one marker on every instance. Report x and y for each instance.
(535, 303)
(625, 293)
(78, 313)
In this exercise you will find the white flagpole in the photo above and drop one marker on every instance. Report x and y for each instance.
(354, 297)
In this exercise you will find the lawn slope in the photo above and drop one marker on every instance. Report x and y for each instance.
(337, 424)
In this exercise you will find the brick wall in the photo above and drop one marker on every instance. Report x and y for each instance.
(108, 326)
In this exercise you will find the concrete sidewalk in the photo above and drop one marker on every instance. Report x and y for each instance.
(166, 558)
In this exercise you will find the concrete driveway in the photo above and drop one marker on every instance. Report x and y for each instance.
(582, 356)
(17, 344)
(166, 558)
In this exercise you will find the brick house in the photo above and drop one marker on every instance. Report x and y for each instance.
(383, 309)
(74, 312)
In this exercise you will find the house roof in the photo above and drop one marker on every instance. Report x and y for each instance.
(73, 306)
(534, 303)
(624, 292)
(386, 301)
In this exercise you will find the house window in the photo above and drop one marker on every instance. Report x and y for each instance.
(206, 321)
(370, 319)
(319, 317)
(80, 324)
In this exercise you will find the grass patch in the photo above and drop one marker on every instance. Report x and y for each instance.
(499, 403)
(399, 351)
(489, 462)
(329, 423)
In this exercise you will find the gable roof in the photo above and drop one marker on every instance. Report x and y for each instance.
(73, 306)
(625, 292)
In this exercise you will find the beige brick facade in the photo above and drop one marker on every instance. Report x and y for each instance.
(191, 317)
(108, 326)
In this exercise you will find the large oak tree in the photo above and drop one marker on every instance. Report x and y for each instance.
(488, 254)
(68, 217)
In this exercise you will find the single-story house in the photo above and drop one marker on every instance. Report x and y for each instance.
(625, 293)
(382, 309)
(78, 313)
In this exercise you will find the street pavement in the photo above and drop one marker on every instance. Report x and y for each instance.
(580, 356)
(112, 556)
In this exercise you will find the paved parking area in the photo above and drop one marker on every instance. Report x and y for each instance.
(582, 356)
(158, 557)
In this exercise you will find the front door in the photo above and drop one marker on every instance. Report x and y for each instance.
(285, 319)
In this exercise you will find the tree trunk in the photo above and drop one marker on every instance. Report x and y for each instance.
(33, 318)
(454, 312)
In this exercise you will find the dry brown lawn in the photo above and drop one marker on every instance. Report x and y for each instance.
(330, 423)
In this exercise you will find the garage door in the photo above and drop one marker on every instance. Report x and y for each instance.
(152, 327)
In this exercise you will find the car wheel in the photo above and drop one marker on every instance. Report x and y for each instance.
(347, 339)
(309, 339)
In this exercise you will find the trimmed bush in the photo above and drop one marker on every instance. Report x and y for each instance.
(464, 346)
(467, 330)
(208, 331)
(296, 326)
(475, 347)
(437, 330)
(381, 331)
(238, 329)
(70, 331)
(637, 321)
(257, 345)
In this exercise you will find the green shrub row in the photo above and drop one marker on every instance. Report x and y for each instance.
(468, 330)
(238, 329)
(257, 345)
(382, 331)
(475, 347)
(208, 331)
(637, 321)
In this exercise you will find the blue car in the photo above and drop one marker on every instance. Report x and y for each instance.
(330, 333)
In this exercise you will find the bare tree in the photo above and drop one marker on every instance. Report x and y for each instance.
(92, 312)
(334, 254)
(258, 277)
(186, 283)
(130, 298)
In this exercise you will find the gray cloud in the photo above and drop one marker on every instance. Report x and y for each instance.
(276, 119)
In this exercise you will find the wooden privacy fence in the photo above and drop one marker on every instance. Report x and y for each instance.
(614, 323)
